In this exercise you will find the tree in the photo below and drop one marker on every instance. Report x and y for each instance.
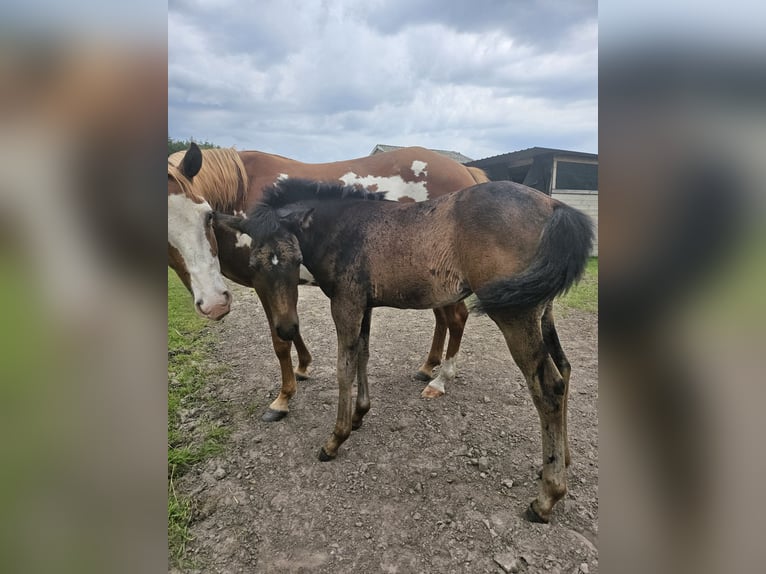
(179, 145)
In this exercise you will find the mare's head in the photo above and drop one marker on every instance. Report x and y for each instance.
(192, 247)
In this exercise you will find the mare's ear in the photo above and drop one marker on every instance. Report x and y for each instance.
(192, 161)
(296, 220)
(235, 223)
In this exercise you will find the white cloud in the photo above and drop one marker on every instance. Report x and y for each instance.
(321, 82)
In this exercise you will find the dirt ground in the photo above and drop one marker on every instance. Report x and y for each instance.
(424, 486)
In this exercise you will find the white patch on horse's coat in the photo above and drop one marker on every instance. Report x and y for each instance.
(243, 240)
(394, 185)
(274, 260)
(282, 177)
(240, 213)
(419, 168)
(446, 375)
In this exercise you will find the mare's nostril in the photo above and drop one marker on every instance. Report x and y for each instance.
(198, 303)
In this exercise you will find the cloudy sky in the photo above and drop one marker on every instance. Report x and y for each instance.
(326, 80)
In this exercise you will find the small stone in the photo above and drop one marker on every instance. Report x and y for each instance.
(507, 561)
(219, 473)
(483, 463)
(507, 482)
(358, 524)
(583, 569)
(418, 487)
(486, 399)
(416, 516)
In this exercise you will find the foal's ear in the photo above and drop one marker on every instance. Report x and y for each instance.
(192, 161)
(296, 219)
(234, 223)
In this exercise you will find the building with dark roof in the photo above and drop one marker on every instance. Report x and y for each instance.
(569, 176)
(457, 156)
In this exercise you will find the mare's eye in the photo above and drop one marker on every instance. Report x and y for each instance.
(209, 218)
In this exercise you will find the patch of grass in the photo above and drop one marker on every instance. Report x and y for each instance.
(189, 369)
(584, 295)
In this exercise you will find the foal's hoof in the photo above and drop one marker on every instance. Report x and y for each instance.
(431, 393)
(272, 416)
(301, 376)
(323, 456)
(532, 516)
(356, 425)
(421, 376)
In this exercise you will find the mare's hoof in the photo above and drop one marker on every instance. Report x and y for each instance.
(301, 376)
(421, 376)
(323, 456)
(532, 516)
(272, 416)
(431, 393)
(356, 426)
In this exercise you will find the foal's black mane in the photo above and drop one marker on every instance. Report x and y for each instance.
(293, 190)
(263, 221)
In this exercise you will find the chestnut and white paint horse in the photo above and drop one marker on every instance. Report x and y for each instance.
(192, 248)
(406, 174)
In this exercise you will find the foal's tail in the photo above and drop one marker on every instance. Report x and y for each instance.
(558, 264)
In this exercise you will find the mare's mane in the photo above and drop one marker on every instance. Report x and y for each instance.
(222, 180)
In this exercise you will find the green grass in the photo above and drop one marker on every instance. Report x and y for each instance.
(189, 369)
(584, 295)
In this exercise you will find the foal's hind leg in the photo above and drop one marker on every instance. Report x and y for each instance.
(552, 343)
(523, 334)
(455, 317)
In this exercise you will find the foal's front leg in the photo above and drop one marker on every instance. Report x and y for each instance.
(348, 323)
(362, 390)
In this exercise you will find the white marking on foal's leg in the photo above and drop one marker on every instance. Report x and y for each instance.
(446, 374)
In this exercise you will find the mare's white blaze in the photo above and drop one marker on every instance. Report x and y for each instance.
(187, 223)
(274, 260)
(394, 185)
(307, 277)
(243, 240)
(446, 375)
(419, 168)
(282, 177)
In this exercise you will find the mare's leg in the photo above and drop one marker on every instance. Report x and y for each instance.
(455, 317)
(552, 343)
(348, 317)
(279, 408)
(362, 390)
(434, 358)
(304, 358)
(523, 334)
